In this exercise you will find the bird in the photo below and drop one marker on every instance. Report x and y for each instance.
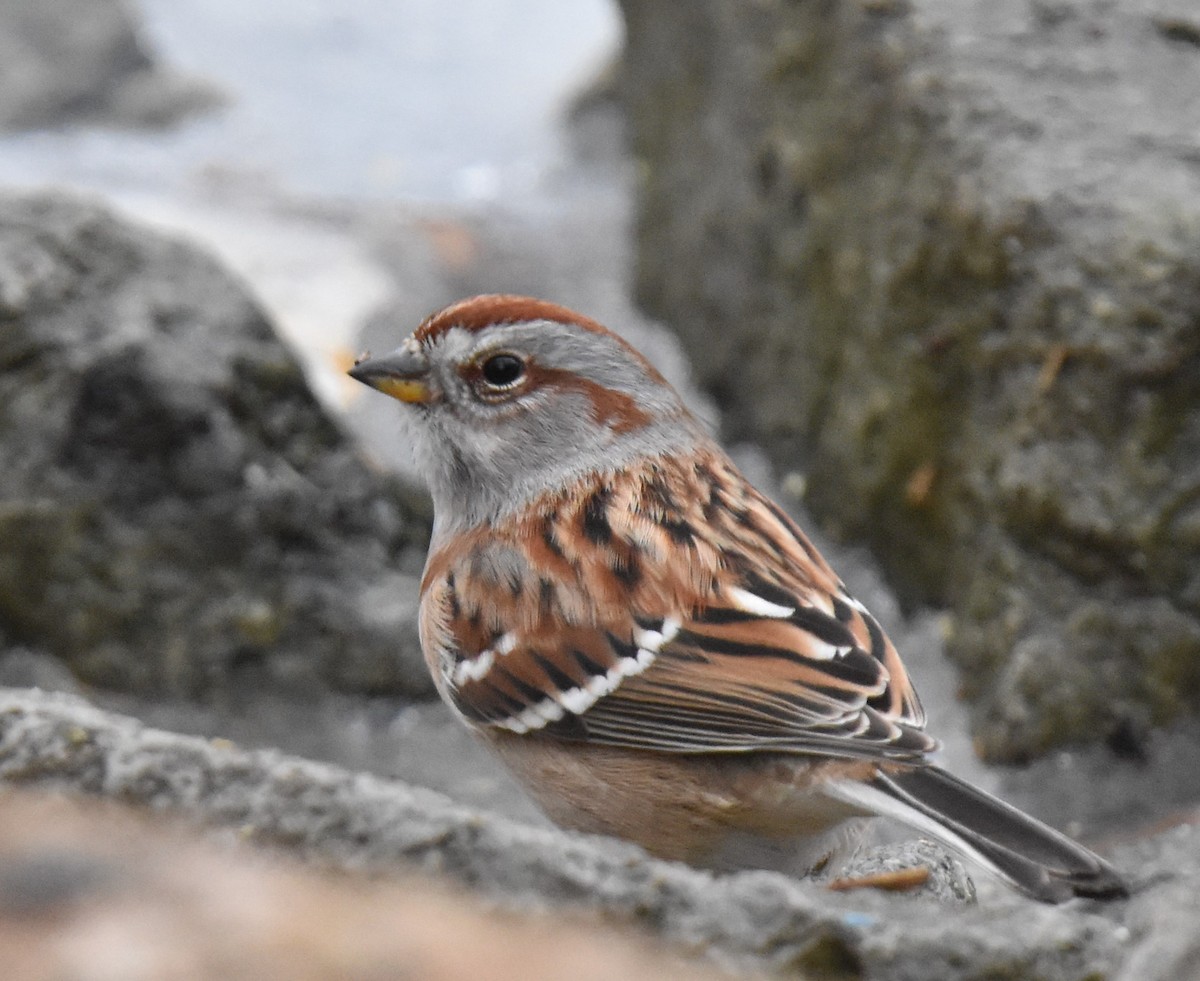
(651, 645)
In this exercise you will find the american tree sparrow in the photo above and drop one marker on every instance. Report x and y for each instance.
(654, 647)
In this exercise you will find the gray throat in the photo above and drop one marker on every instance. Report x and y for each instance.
(471, 489)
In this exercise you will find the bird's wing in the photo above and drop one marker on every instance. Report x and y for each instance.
(677, 610)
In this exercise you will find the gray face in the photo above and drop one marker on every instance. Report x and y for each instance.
(582, 402)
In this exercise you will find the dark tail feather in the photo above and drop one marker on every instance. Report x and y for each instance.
(1035, 858)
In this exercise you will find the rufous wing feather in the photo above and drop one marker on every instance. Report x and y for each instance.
(686, 614)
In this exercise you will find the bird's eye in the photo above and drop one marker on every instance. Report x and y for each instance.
(502, 370)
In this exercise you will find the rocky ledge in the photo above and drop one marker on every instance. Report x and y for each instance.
(745, 922)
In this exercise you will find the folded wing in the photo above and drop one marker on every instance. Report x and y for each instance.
(678, 611)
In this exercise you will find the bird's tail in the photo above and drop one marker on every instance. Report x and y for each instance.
(1036, 859)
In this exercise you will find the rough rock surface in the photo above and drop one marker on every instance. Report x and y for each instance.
(944, 256)
(61, 60)
(179, 515)
(747, 920)
(93, 890)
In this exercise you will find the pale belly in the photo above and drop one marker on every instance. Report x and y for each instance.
(721, 811)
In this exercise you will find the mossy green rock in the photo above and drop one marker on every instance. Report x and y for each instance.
(944, 257)
(178, 514)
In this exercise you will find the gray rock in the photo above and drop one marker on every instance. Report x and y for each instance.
(179, 515)
(747, 920)
(21, 667)
(1168, 915)
(70, 60)
(945, 257)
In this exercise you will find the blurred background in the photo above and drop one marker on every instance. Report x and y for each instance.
(355, 166)
(271, 131)
(801, 194)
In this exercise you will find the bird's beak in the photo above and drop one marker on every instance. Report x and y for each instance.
(403, 374)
